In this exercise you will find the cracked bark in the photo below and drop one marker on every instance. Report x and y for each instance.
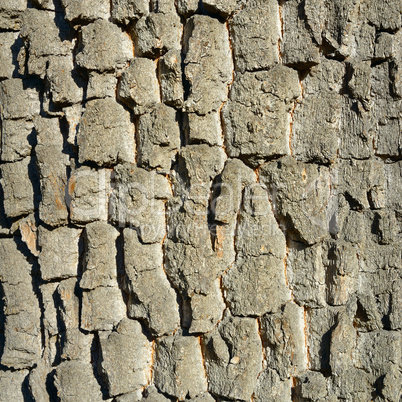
(298, 99)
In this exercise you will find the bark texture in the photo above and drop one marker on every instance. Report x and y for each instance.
(200, 200)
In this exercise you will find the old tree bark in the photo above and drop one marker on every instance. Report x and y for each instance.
(200, 200)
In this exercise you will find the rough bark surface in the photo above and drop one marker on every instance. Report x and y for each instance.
(200, 200)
